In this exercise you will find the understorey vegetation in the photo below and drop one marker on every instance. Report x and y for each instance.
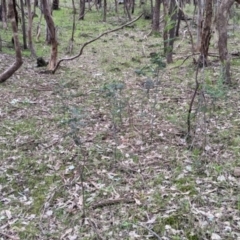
(119, 143)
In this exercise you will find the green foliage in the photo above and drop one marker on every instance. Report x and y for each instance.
(157, 64)
(111, 89)
(216, 90)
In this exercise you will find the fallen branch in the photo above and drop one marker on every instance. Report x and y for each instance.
(110, 202)
(93, 40)
(9, 236)
(151, 231)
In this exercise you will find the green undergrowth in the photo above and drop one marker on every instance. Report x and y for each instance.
(101, 149)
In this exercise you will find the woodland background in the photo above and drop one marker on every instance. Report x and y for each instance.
(131, 135)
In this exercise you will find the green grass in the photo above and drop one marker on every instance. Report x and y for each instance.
(132, 145)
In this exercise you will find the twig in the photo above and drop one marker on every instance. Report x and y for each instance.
(151, 231)
(113, 202)
(9, 236)
(191, 103)
(93, 40)
(94, 225)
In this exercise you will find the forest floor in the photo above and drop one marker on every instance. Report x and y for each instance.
(101, 149)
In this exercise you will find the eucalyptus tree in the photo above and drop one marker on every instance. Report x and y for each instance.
(206, 32)
(29, 29)
(23, 24)
(52, 31)
(4, 13)
(156, 16)
(18, 55)
(222, 22)
(170, 17)
(104, 10)
(82, 10)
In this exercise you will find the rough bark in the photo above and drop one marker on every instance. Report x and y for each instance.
(222, 21)
(104, 10)
(52, 32)
(156, 16)
(4, 14)
(169, 32)
(165, 32)
(82, 10)
(18, 61)
(200, 16)
(29, 30)
(23, 25)
(206, 34)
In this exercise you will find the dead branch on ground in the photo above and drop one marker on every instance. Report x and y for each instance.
(93, 40)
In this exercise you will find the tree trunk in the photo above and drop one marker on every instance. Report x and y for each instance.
(82, 10)
(151, 4)
(199, 22)
(29, 31)
(73, 28)
(173, 16)
(156, 16)
(222, 21)
(52, 31)
(116, 6)
(127, 8)
(165, 31)
(48, 34)
(206, 34)
(74, 7)
(180, 16)
(104, 10)
(55, 5)
(4, 14)
(133, 5)
(18, 62)
(23, 25)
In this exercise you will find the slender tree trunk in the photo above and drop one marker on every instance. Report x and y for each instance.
(206, 34)
(55, 5)
(4, 14)
(127, 9)
(222, 21)
(52, 31)
(24, 25)
(180, 16)
(156, 16)
(169, 34)
(104, 10)
(82, 10)
(99, 2)
(73, 29)
(151, 4)
(29, 31)
(133, 5)
(34, 7)
(74, 7)
(214, 24)
(165, 30)
(116, 6)
(18, 62)
(200, 22)
(173, 17)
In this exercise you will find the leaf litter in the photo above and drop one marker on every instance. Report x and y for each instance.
(90, 153)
